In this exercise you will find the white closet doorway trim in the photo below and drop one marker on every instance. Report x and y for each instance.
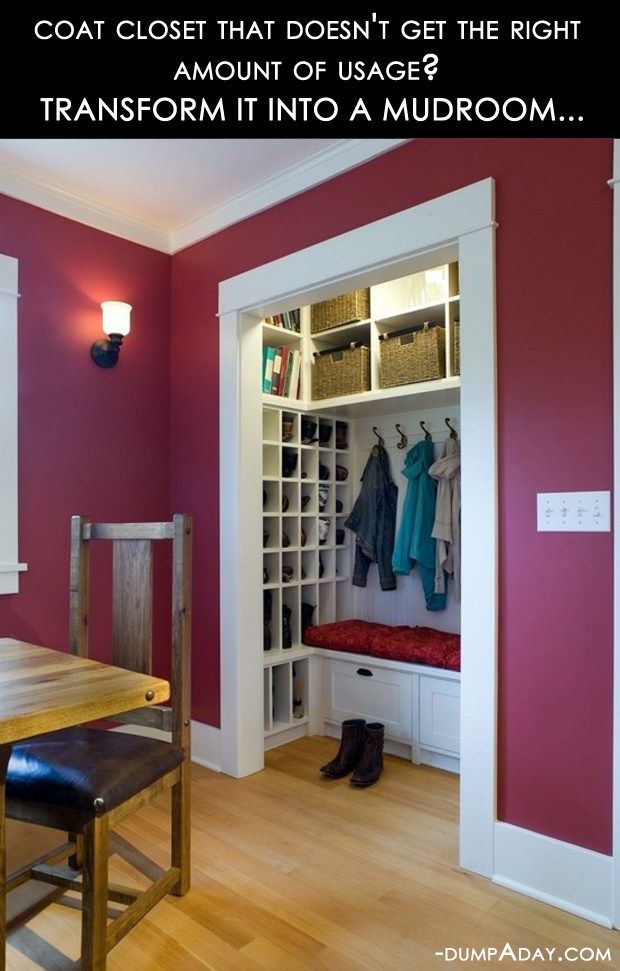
(459, 225)
(10, 567)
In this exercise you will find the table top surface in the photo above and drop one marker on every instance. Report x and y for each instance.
(43, 690)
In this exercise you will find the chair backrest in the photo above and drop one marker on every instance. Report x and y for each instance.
(132, 602)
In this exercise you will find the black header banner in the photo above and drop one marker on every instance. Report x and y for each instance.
(204, 71)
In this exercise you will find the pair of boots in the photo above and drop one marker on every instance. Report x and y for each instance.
(361, 750)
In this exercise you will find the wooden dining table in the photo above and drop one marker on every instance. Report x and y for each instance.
(42, 691)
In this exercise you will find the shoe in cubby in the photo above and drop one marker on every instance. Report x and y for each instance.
(290, 462)
(326, 433)
(342, 436)
(308, 501)
(309, 465)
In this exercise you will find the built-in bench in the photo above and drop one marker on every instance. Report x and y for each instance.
(419, 704)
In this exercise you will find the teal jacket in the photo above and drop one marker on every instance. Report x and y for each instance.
(414, 543)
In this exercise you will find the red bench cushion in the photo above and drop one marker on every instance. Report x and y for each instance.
(415, 645)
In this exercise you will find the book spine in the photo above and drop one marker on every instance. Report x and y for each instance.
(268, 375)
(275, 376)
(286, 353)
(295, 371)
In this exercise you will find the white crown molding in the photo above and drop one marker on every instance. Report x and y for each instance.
(46, 195)
(320, 167)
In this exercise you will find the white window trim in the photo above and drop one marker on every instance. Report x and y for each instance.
(10, 567)
(615, 185)
(460, 223)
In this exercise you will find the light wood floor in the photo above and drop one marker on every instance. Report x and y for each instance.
(295, 872)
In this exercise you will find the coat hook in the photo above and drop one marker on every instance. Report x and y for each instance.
(453, 431)
(427, 434)
(375, 432)
(403, 437)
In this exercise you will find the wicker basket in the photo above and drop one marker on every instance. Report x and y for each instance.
(409, 358)
(456, 347)
(347, 309)
(341, 372)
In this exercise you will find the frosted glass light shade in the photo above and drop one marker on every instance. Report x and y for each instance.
(116, 317)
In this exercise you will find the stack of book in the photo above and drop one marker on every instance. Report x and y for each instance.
(288, 320)
(281, 368)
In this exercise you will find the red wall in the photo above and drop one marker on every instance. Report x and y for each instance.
(91, 441)
(554, 371)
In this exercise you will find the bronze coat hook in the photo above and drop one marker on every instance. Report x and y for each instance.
(427, 434)
(403, 437)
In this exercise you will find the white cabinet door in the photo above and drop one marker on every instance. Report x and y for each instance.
(440, 714)
(361, 690)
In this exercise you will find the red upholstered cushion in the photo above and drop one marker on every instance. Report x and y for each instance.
(346, 635)
(415, 645)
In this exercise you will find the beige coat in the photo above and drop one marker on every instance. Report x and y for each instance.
(447, 528)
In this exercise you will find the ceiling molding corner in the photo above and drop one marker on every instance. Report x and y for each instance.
(71, 205)
(324, 165)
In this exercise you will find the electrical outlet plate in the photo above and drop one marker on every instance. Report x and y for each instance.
(574, 512)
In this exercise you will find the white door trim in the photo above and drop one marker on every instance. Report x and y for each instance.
(460, 223)
(615, 184)
(10, 567)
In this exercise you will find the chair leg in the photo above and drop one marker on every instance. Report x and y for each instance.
(180, 830)
(95, 896)
(76, 859)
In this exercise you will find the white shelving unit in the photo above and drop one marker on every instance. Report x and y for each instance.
(295, 506)
(291, 534)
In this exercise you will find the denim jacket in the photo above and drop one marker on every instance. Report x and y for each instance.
(373, 520)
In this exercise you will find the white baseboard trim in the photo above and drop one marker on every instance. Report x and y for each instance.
(569, 877)
(207, 746)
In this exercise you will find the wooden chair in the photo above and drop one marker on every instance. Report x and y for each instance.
(85, 780)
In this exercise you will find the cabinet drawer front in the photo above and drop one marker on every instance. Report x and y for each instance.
(440, 714)
(360, 690)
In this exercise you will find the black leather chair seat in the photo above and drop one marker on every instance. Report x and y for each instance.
(87, 769)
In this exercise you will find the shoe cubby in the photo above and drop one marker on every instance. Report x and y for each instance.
(341, 442)
(309, 566)
(271, 497)
(309, 526)
(289, 537)
(309, 431)
(281, 695)
(290, 599)
(271, 564)
(271, 620)
(327, 604)
(271, 461)
(289, 498)
(326, 433)
(271, 532)
(271, 425)
(328, 562)
(308, 608)
(325, 471)
(290, 568)
(308, 502)
(299, 675)
(289, 427)
(325, 495)
(289, 468)
(326, 530)
(309, 465)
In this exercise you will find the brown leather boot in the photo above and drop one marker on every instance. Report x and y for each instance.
(370, 766)
(350, 751)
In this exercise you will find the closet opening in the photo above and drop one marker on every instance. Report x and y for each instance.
(329, 374)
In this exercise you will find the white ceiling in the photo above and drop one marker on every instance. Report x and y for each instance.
(168, 193)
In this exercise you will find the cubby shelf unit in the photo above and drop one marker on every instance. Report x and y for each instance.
(296, 509)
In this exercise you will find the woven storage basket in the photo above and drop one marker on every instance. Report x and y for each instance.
(409, 358)
(341, 372)
(347, 309)
(456, 347)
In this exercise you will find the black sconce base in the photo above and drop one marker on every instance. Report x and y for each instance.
(105, 352)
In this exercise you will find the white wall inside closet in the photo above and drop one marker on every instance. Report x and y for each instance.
(406, 604)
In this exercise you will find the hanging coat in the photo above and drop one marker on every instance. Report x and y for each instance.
(415, 544)
(373, 520)
(447, 526)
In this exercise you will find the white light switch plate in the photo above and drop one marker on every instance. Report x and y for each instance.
(573, 512)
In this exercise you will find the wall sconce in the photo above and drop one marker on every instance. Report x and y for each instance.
(116, 324)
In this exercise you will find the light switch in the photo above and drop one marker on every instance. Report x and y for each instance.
(573, 512)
